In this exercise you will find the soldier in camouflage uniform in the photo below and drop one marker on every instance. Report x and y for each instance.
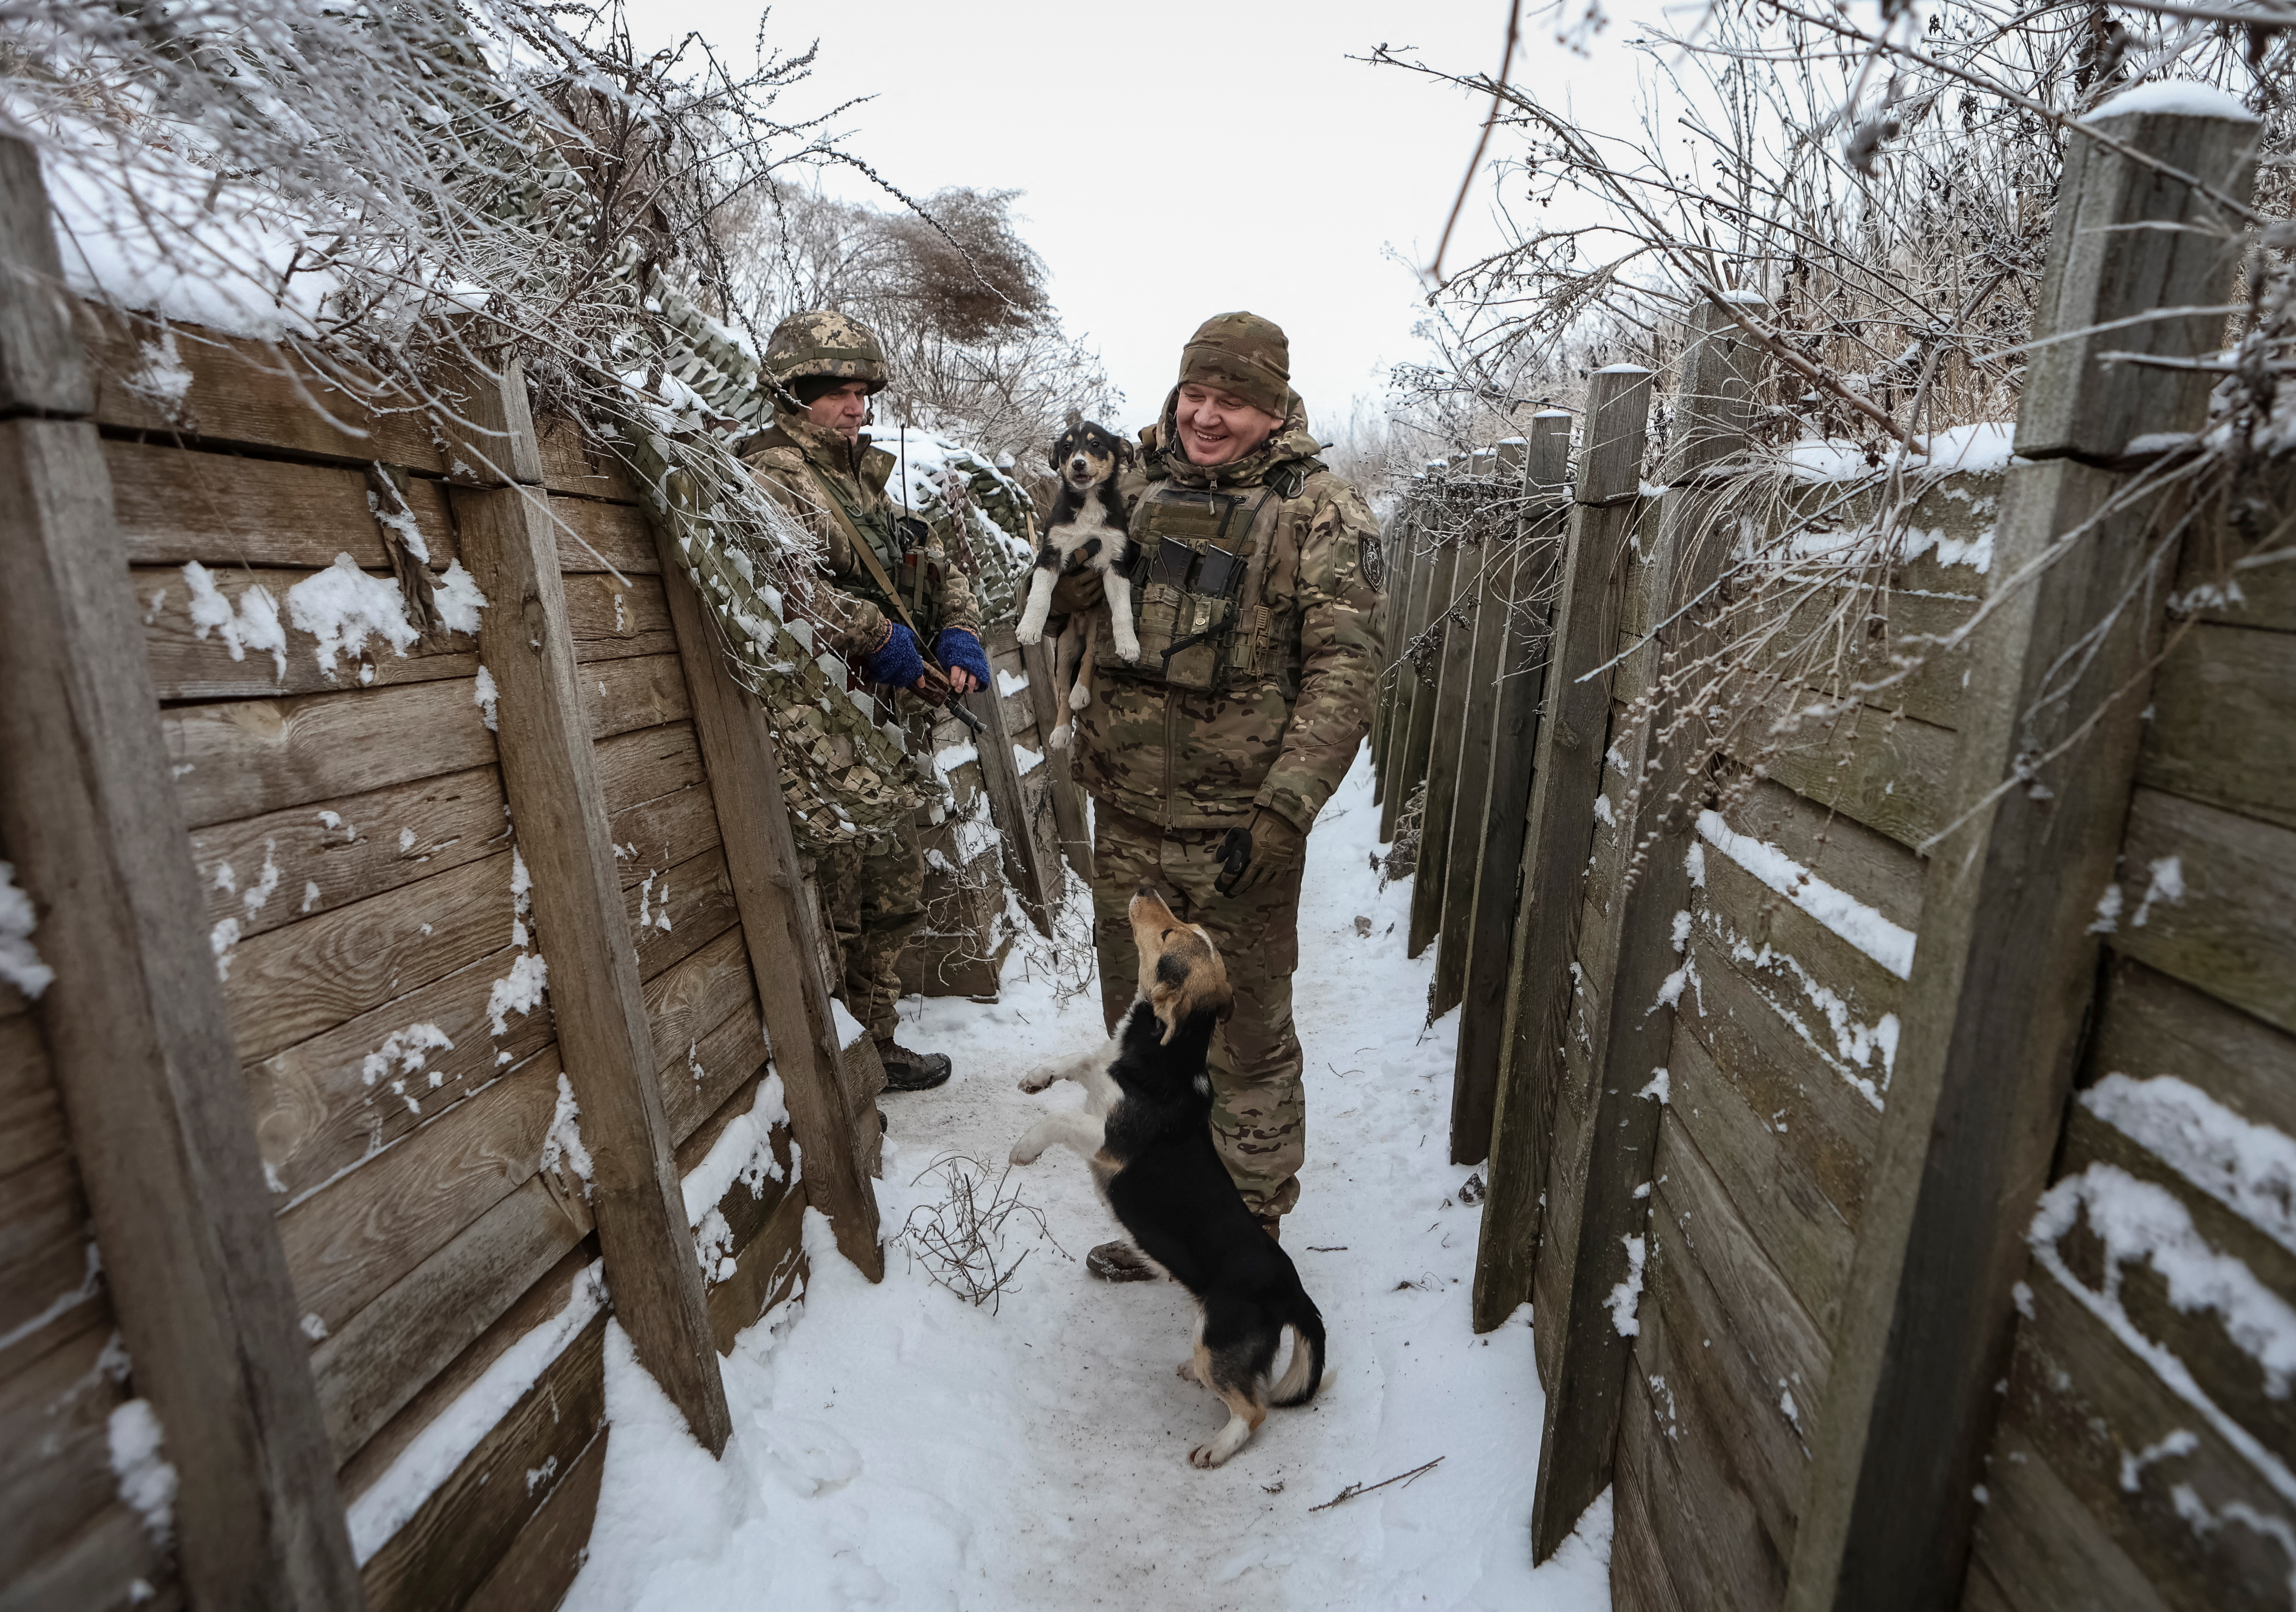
(1256, 593)
(816, 463)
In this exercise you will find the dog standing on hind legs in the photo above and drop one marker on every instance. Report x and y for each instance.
(1085, 532)
(1145, 1129)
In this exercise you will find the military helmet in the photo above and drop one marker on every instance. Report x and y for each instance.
(820, 342)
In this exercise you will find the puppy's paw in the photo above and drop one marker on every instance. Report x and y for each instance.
(1025, 1152)
(1187, 1372)
(1079, 697)
(1060, 739)
(1037, 1080)
(1026, 634)
(1205, 1457)
(1127, 646)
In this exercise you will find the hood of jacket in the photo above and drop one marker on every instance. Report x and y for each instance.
(1290, 443)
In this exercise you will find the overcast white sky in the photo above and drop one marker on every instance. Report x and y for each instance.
(1186, 157)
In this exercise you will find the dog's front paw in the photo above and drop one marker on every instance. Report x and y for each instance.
(1205, 1457)
(1187, 1372)
(1079, 697)
(1127, 646)
(1026, 1152)
(1037, 1080)
(1060, 739)
(1026, 634)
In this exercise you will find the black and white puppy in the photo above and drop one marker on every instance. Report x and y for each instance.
(1145, 1129)
(1086, 532)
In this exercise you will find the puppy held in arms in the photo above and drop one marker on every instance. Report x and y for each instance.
(1085, 533)
(1145, 1129)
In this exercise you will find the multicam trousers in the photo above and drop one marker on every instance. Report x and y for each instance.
(1259, 1106)
(874, 898)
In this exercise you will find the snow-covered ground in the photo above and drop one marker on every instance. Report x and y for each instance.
(894, 1446)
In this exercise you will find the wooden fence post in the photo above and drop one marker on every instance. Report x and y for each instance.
(1411, 616)
(1008, 808)
(1427, 688)
(1559, 827)
(1402, 558)
(2006, 965)
(1446, 741)
(778, 926)
(550, 775)
(1478, 933)
(134, 1022)
(1068, 795)
(1621, 1026)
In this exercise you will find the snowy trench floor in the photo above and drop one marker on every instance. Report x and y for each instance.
(897, 1447)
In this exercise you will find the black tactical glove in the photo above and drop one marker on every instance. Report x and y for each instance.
(1251, 856)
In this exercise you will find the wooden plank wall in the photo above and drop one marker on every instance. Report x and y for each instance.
(2112, 1484)
(364, 893)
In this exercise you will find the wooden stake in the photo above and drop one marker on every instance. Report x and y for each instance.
(1068, 795)
(1402, 772)
(1487, 845)
(1558, 831)
(1446, 748)
(134, 1022)
(551, 777)
(832, 1124)
(1000, 775)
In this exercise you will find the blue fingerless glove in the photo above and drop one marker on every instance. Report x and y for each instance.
(960, 652)
(896, 661)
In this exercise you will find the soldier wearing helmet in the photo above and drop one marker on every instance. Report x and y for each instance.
(1255, 579)
(818, 465)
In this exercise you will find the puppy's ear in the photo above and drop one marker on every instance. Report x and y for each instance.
(1053, 455)
(1126, 454)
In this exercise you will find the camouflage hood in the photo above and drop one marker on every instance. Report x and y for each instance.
(1292, 443)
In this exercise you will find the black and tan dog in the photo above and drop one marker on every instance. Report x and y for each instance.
(1145, 1129)
(1085, 533)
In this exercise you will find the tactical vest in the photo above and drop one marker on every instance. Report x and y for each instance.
(1198, 568)
(898, 542)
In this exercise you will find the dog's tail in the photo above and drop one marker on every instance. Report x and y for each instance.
(1305, 1374)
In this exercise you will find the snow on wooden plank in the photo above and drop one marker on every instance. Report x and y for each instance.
(698, 1080)
(2124, 1444)
(764, 1272)
(243, 391)
(46, 1255)
(642, 692)
(663, 831)
(330, 854)
(192, 660)
(2154, 1026)
(470, 1523)
(320, 971)
(248, 757)
(316, 1112)
(674, 911)
(2037, 1548)
(386, 1372)
(176, 505)
(1870, 867)
(2208, 894)
(2220, 730)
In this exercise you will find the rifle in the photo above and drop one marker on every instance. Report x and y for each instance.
(876, 569)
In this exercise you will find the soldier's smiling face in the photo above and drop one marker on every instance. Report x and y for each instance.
(1219, 427)
(843, 410)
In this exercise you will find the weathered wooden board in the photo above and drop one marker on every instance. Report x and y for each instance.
(1891, 773)
(1800, 1230)
(664, 831)
(31, 1119)
(763, 1273)
(611, 620)
(594, 537)
(315, 1111)
(242, 392)
(645, 692)
(229, 510)
(448, 1546)
(572, 462)
(2221, 726)
(407, 1356)
(736, 1097)
(2087, 1405)
(191, 662)
(295, 982)
(45, 1248)
(698, 1080)
(111, 1565)
(1839, 849)
(2041, 1549)
(646, 765)
(1639, 1579)
(676, 911)
(53, 1416)
(359, 1234)
(2153, 1025)
(543, 1562)
(687, 1001)
(248, 757)
(330, 854)
(2230, 932)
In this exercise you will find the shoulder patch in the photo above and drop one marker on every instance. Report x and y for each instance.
(1373, 559)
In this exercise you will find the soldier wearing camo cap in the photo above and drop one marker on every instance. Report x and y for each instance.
(1256, 579)
(818, 465)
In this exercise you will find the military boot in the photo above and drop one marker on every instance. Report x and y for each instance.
(907, 1071)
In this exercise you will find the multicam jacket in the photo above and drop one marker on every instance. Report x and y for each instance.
(1279, 737)
(801, 465)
